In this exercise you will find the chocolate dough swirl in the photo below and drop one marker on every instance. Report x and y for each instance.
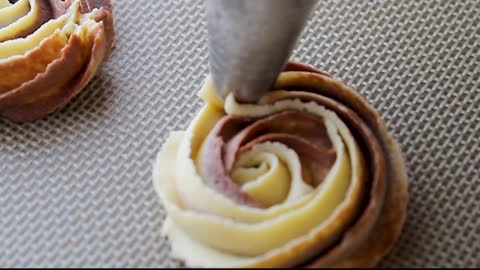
(308, 176)
(49, 51)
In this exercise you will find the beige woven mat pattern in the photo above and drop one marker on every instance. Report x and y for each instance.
(76, 187)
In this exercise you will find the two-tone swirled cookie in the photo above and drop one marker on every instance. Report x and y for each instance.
(309, 176)
(49, 51)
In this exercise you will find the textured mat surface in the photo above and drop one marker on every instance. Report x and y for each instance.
(76, 188)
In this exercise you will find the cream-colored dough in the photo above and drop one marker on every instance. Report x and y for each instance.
(21, 46)
(207, 229)
(25, 58)
(4, 3)
(270, 183)
(13, 12)
(66, 24)
(24, 20)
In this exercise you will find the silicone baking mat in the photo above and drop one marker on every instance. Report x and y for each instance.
(76, 188)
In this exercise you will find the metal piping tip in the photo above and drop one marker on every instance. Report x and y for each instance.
(250, 41)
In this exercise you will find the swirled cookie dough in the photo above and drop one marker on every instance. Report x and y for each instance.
(49, 51)
(309, 176)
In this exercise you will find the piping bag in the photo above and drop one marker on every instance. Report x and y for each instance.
(250, 42)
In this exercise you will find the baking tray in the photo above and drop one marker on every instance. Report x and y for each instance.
(76, 187)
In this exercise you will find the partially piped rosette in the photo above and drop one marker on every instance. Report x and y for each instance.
(309, 176)
(49, 51)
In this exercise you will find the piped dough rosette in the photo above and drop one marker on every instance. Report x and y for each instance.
(308, 177)
(49, 51)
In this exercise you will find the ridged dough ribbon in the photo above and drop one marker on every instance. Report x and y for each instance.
(49, 50)
(309, 176)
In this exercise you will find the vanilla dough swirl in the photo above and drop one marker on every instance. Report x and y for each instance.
(308, 176)
(49, 51)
